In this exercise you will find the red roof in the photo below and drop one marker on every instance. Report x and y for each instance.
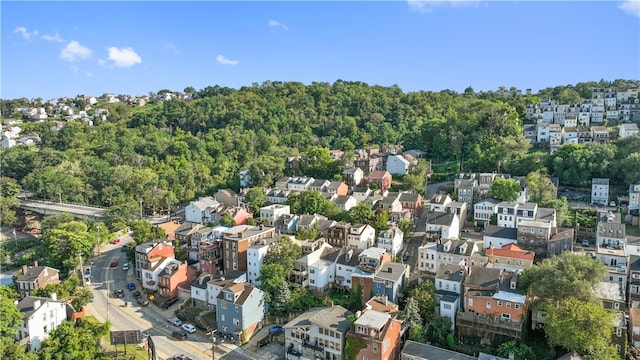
(512, 251)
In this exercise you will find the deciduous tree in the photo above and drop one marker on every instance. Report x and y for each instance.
(505, 189)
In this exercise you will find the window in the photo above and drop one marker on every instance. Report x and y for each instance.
(224, 305)
(618, 332)
(222, 317)
(508, 305)
(237, 308)
(312, 271)
(236, 322)
(488, 304)
(375, 347)
(499, 303)
(516, 306)
(447, 306)
(312, 281)
(470, 302)
(506, 316)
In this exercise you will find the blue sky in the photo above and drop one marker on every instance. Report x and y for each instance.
(53, 49)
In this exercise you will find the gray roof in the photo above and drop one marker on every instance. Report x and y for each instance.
(318, 183)
(332, 317)
(409, 197)
(353, 261)
(351, 170)
(397, 271)
(502, 232)
(449, 272)
(545, 214)
(483, 277)
(341, 199)
(26, 305)
(373, 319)
(634, 263)
(428, 352)
(34, 272)
(599, 181)
(439, 218)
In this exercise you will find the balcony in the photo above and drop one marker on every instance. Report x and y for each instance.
(315, 346)
(299, 272)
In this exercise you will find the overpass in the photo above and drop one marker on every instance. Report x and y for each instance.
(47, 207)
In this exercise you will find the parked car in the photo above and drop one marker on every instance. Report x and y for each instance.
(181, 357)
(125, 266)
(264, 342)
(189, 328)
(124, 248)
(175, 321)
(405, 257)
(137, 294)
(179, 334)
(114, 264)
(275, 329)
(143, 302)
(115, 241)
(585, 242)
(131, 286)
(87, 273)
(119, 293)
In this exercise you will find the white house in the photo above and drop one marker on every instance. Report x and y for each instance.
(272, 213)
(446, 224)
(299, 183)
(483, 211)
(397, 165)
(628, 130)
(206, 288)
(40, 316)
(361, 236)
(634, 197)
(322, 271)
(155, 268)
(245, 179)
(427, 257)
(200, 210)
(448, 283)
(255, 259)
(391, 240)
(497, 236)
(507, 216)
(345, 202)
(600, 191)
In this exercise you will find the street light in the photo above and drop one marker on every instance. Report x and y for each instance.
(98, 228)
(213, 344)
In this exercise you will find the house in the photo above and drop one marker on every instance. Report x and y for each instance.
(510, 254)
(368, 164)
(226, 197)
(381, 178)
(237, 240)
(410, 202)
(492, 302)
(612, 295)
(322, 270)
(240, 311)
(238, 214)
(419, 351)
(383, 278)
(345, 202)
(365, 263)
(353, 176)
(299, 276)
(206, 288)
(628, 130)
(200, 211)
(255, 259)
(319, 185)
(276, 196)
(442, 225)
(36, 277)
(448, 283)
(319, 331)
(543, 238)
(634, 282)
(210, 250)
(390, 203)
(151, 250)
(271, 213)
(455, 252)
(337, 188)
(337, 235)
(600, 191)
(361, 236)
(152, 271)
(599, 134)
(169, 228)
(530, 133)
(459, 208)
(308, 221)
(496, 236)
(439, 202)
(610, 246)
(286, 224)
(40, 316)
(634, 200)
(173, 275)
(391, 240)
(398, 165)
(379, 333)
(427, 257)
(299, 183)
(467, 191)
(483, 211)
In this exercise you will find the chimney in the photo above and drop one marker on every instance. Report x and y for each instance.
(358, 314)
(36, 304)
(35, 263)
(390, 269)
(24, 269)
(385, 298)
(54, 297)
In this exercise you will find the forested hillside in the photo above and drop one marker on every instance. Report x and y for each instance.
(168, 152)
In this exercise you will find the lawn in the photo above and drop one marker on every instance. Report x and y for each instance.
(633, 230)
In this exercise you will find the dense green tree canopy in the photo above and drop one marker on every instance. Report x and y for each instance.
(505, 189)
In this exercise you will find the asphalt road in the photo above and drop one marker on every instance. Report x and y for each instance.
(105, 280)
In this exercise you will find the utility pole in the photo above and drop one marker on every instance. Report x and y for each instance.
(141, 208)
(60, 198)
(82, 271)
(213, 344)
(98, 228)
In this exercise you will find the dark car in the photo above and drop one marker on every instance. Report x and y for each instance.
(143, 302)
(264, 342)
(131, 286)
(275, 329)
(124, 248)
(179, 334)
(405, 257)
(137, 294)
(119, 293)
(114, 264)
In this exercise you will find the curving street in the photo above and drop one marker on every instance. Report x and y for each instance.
(106, 306)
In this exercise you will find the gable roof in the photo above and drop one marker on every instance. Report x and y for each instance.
(378, 174)
(483, 277)
(332, 317)
(512, 251)
(34, 272)
(429, 352)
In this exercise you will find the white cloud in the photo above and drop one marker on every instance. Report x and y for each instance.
(630, 6)
(125, 57)
(173, 48)
(78, 72)
(426, 6)
(276, 23)
(54, 38)
(25, 33)
(224, 61)
(74, 51)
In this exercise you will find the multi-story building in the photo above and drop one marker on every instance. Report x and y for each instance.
(634, 282)
(319, 332)
(634, 199)
(611, 246)
(419, 351)
(386, 279)
(467, 191)
(36, 277)
(448, 283)
(240, 311)
(628, 130)
(442, 225)
(381, 178)
(272, 213)
(379, 332)
(634, 327)
(206, 288)
(151, 250)
(361, 236)
(353, 177)
(173, 275)
(255, 259)
(40, 316)
(200, 210)
(483, 211)
(510, 254)
(427, 257)
(391, 240)
(237, 240)
(337, 235)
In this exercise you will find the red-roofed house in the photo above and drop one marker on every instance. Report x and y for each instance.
(510, 254)
(382, 178)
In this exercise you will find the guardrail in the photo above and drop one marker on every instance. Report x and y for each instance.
(49, 201)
